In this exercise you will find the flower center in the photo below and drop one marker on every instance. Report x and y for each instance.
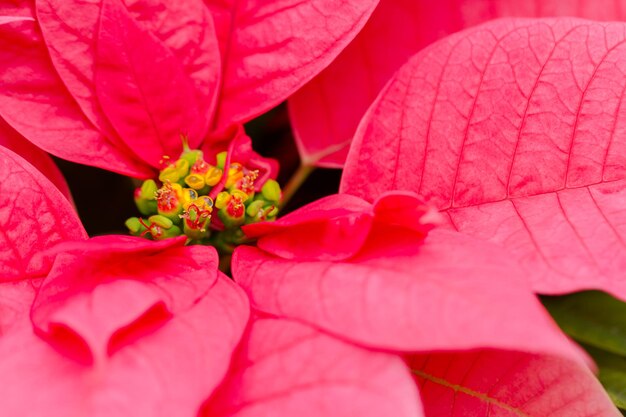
(190, 191)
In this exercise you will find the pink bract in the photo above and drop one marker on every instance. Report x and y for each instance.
(125, 79)
(394, 286)
(401, 287)
(123, 326)
(326, 111)
(513, 131)
(285, 368)
(32, 212)
(337, 227)
(34, 216)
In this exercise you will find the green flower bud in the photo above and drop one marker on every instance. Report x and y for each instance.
(253, 209)
(145, 206)
(271, 191)
(149, 189)
(162, 228)
(176, 172)
(191, 156)
(135, 226)
(260, 211)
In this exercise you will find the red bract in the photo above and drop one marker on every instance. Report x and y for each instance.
(400, 288)
(514, 131)
(123, 326)
(125, 79)
(325, 112)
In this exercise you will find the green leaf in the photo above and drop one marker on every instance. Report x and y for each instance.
(593, 318)
(612, 373)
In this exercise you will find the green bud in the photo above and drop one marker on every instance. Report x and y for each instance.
(191, 156)
(148, 190)
(261, 211)
(161, 221)
(271, 191)
(144, 205)
(135, 227)
(161, 227)
(253, 208)
(171, 232)
(176, 172)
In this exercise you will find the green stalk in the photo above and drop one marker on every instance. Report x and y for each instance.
(295, 182)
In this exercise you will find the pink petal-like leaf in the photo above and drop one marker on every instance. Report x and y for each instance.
(514, 130)
(332, 228)
(34, 101)
(185, 29)
(270, 49)
(325, 112)
(168, 372)
(286, 369)
(82, 296)
(12, 140)
(336, 227)
(491, 383)
(143, 88)
(34, 215)
(402, 292)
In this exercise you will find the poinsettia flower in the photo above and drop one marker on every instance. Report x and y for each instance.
(524, 149)
(123, 326)
(378, 276)
(114, 84)
(326, 111)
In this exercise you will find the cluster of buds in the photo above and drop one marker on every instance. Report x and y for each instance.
(207, 203)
